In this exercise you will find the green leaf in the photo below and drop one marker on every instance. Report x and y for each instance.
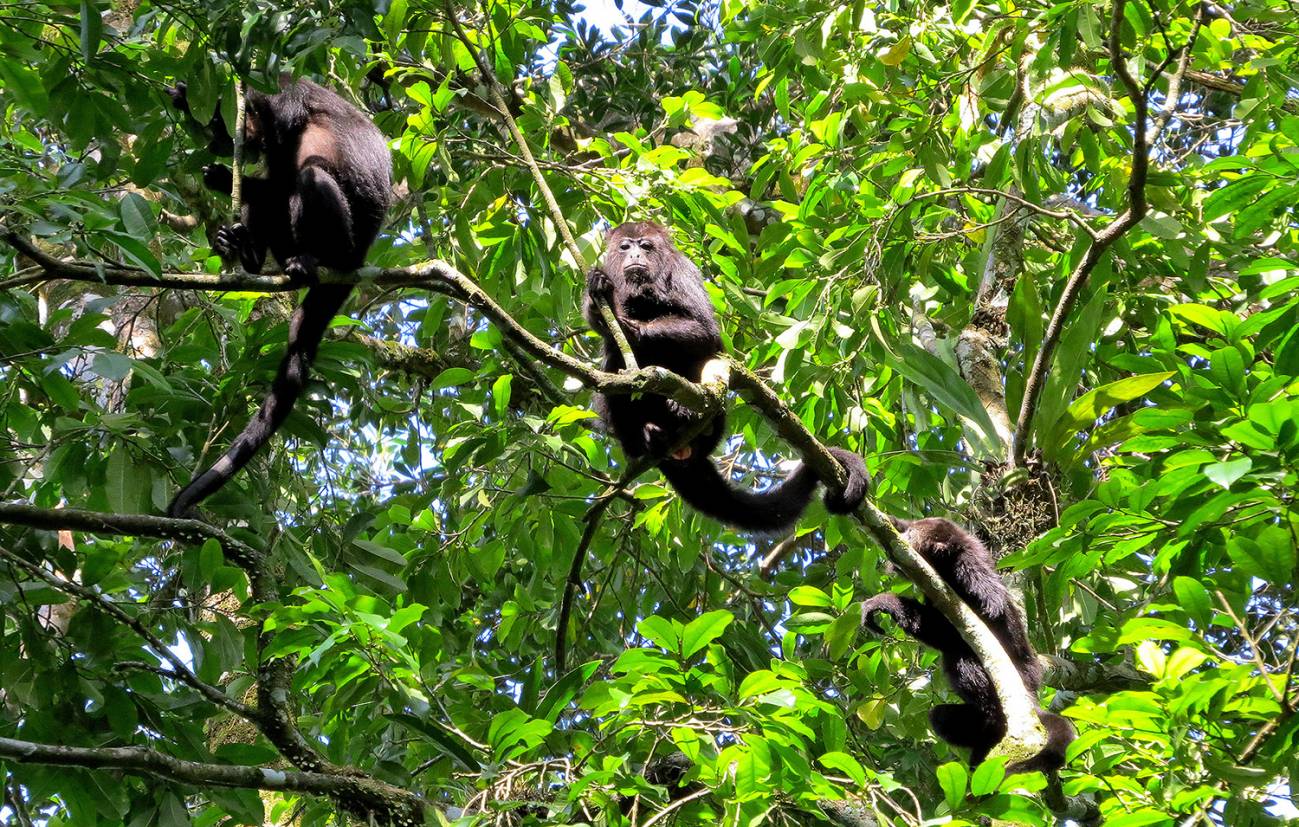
(1152, 628)
(92, 29)
(1072, 355)
(1270, 557)
(501, 393)
(1083, 413)
(1235, 196)
(137, 220)
(662, 632)
(137, 251)
(1194, 598)
(703, 630)
(845, 763)
(1218, 321)
(564, 690)
(382, 552)
(987, 776)
(23, 86)
(952, 778)
(448, 742)
(942, 383)
(1225, 473)
(452, 377)
(809, 596)
(125, 483)
(394, 21)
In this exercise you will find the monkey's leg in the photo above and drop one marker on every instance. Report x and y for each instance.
(967, 725)
(244, 242)
(321, 220)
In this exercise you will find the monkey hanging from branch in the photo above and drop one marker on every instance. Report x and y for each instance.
(977, 723)
(327, 187)
(657, 296)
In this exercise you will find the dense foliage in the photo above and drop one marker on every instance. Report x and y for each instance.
(912, 218)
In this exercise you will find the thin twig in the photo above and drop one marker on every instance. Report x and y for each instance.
(497, 96)
(237, 163)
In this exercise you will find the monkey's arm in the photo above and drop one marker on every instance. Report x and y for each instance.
(687, 334)
(924, 623)
(218, 178)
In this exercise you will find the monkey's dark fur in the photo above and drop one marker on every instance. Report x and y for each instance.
(968, 567)
(322, 202)
(657, 295)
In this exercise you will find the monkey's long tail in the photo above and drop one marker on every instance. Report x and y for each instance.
(702, 485)
(306, 328)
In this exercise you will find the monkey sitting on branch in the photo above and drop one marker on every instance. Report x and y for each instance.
(966, 564)
(657, 297)
(322, 202)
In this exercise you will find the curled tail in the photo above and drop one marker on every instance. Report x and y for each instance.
(702, 486)
(306, 328)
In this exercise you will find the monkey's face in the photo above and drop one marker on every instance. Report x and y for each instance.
(639, 258)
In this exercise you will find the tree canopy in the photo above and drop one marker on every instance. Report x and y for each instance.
(1035, 263)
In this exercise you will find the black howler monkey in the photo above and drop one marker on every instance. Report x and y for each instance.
(968, 567)
(657, 295)
(322, 202)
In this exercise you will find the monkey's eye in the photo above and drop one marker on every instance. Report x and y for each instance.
(625, 246)
(647, 245)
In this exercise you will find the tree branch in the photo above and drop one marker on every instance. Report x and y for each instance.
(434, 274)
(179, 668)
(496, 92)
(1035, 381)
(360, 796)
(129, 525)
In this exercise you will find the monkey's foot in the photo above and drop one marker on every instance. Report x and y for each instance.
(302, 270)
(234, 243)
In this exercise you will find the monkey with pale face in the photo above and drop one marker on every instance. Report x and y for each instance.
(657, 296)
